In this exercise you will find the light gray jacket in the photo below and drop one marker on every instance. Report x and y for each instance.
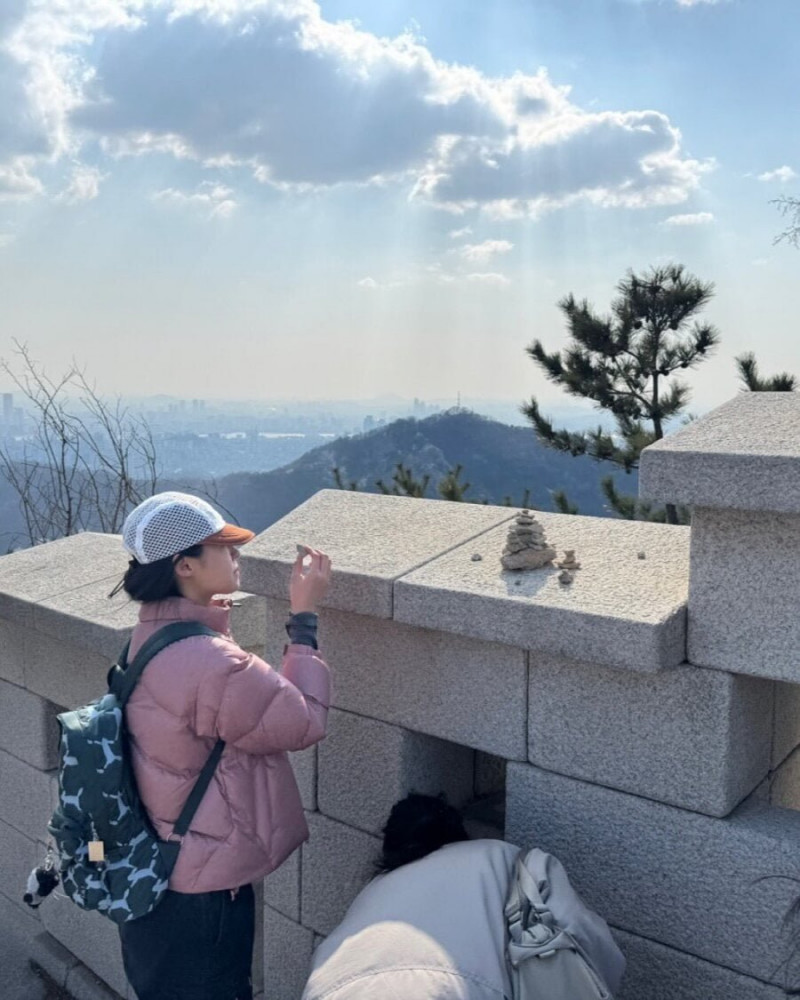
(431, 930)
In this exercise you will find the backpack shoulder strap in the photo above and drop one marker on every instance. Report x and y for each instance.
(124, 680)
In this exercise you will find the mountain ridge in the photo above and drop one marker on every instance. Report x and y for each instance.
(500, 461)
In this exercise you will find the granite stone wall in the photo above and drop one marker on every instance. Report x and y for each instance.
(642, 722)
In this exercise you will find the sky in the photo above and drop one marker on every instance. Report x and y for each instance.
(354, 198)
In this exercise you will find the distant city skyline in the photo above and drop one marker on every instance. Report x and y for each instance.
(286, 199)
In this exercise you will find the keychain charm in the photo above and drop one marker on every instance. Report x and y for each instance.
(96, 850)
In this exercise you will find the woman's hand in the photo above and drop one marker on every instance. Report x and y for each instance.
(309, 584)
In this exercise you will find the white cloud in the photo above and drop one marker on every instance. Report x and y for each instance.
(84, 185)
(215, 200)
(367, 283)
(696, 3)
(480, 253)
(209, 80)
(782, 174)
(491, 278)
(17, 183)
(693, 219)
(459, 234)
(6, 239)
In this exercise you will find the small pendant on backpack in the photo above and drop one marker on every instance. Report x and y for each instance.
(96, 850)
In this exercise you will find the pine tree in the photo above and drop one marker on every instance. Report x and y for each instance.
(751, 379)
(404, 483)
(622, 363)
(450, 487)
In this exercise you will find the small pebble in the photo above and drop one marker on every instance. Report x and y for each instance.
(642, 555)
(517, 583)
(565, 576)
(477, 557)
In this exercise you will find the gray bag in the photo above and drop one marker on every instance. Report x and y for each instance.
(558, 948)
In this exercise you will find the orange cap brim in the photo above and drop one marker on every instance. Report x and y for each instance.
(230, 535)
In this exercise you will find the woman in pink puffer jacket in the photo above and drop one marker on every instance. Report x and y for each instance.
(198, 942)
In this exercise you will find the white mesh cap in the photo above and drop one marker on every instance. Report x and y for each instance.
(167, 523)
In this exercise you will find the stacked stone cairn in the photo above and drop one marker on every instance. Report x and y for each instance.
(526, 546)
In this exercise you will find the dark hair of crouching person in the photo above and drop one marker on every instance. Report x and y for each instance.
(417, 826)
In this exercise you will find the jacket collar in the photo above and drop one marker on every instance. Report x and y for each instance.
(216, 615)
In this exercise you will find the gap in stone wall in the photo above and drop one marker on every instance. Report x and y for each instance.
(485, 813)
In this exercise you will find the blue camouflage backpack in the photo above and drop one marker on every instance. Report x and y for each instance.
(111, 859)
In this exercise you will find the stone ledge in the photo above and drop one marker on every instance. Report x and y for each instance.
(61, 589)
(743, 455)
(620, 610)
(44, 572)
(372, 540)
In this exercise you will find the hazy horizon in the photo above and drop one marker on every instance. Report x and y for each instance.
(286, 199)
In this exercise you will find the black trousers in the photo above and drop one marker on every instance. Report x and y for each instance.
(193, 946)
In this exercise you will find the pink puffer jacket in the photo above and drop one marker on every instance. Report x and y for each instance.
(204, 688)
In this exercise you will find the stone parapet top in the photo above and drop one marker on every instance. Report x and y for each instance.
(412, 560)
(61, 590)
(744, 455)
(372, 540)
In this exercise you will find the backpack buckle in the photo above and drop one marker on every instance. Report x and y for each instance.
(174, 838)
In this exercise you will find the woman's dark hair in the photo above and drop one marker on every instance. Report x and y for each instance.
(417, 826)
(153, 581)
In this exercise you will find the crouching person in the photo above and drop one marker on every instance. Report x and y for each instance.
(452, 919)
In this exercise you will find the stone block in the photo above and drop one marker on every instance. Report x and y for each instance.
(784, 784)
(620, 610)
(490, 774)
(371, 540)
(485, 818)
(63, 672)
(304, 765)
(365, 766)
(92, 938)
(52, 957)
(282, 887)
(249, 621)
(88, 618)
(33, 575)
(655, 972)
(12, 652)
(718, 888)
(28, 726)
(28, 796)
(744, 455)
(82, 984)
(19, 855)
(287, 956)
(786, 735)
(337, 862)
(745, 577)
(695, 738)
(470, 693)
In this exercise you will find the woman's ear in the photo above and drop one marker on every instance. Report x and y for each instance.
(184, 568)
